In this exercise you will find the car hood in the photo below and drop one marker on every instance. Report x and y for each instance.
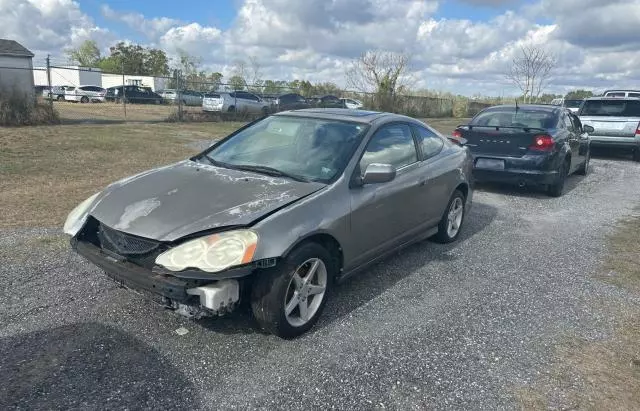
(170, 202)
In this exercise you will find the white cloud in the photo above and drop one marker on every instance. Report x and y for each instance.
(151, 28)
(48, 26)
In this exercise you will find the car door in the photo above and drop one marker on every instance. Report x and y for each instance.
(583, 138)
(573, 138)
(436, 175)
(385, 215)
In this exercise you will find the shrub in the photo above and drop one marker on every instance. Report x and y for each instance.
(19, 109)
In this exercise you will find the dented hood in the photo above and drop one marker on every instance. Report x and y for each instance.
(171, 202)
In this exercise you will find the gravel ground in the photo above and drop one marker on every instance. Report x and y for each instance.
(458, 326)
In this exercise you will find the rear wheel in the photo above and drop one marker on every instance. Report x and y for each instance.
(287, 300)
(451, 222)
(60, 98)
(232, 109)
(84, 99)
(557, 189)
(265, 111)
(584, 168)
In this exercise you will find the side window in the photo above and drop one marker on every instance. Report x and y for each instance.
(392, 144)
(430, 142)
(567, 122)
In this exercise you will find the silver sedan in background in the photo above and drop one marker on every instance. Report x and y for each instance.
(277, 213)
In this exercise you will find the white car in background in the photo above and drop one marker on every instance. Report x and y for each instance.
(352, 103)
(85, 94)
(188, 97)
(235, 101)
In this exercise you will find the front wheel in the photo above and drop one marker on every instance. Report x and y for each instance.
(451, 222)
(287, 300)
(84, 99)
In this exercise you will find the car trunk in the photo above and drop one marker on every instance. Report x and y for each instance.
(612, 126)
(212, 99)
(499, 141)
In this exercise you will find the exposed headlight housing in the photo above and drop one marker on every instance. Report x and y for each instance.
(77, 216)
(213, 253)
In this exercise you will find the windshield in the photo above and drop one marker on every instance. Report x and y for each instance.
(572, 103)
(614, 108)
(510, 117)
(312, 149)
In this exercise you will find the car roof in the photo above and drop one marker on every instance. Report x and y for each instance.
(345, 114)
(609, 98)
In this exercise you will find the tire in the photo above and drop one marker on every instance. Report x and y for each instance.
(584, 168)
(60, 98)
(84, 99)
(158, 102)
(636, 155)
(276, 288)
(557, 189)
(265, 111)
(232, 109)
(451, 223)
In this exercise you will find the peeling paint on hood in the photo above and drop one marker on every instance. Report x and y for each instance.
(171, 202)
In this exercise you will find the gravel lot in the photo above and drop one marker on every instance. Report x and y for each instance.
(456, 326)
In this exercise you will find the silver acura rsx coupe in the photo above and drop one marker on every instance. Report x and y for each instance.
(277, 213)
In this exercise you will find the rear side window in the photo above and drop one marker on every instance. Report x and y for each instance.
(615, 95)
(636, 95)
(392, 144)
(515, 118)
(613, 108)
(429, 141)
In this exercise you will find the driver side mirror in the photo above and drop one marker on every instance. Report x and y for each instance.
(378, 173)
(588, 129)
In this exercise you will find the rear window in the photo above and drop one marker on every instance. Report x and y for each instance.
(614, 108)
(572, 103)
(212, 95)
(515, 118)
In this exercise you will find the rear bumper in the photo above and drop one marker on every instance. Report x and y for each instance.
(530, 170)
(615, 142)
(528, 177)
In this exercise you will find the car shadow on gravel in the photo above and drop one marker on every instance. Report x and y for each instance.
(604, 153)
(539, 193)
(370, 283)
(375, 280)
(88, 366)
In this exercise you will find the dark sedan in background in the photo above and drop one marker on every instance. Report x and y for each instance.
(133, 94)
(277, 212)
(527, 145)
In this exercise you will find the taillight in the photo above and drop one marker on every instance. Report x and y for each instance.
(456, 134)
(542, 142)
(638, 130)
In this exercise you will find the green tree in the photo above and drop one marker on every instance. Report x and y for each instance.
(156, 62)
(578, 94)
(86, 55)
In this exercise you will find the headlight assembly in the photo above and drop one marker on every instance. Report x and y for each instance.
(212, 253)
(77, 216)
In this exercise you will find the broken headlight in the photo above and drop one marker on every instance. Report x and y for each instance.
(77, 216)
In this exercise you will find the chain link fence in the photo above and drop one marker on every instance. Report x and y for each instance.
(88, 95)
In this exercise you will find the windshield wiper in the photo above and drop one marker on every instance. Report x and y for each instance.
(267, 170)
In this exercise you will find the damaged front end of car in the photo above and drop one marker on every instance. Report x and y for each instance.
(200, 277)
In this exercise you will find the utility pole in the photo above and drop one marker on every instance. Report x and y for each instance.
(49, 80)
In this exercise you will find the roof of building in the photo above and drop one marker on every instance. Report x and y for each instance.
(13, 48)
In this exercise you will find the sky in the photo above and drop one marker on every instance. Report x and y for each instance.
(459, 46)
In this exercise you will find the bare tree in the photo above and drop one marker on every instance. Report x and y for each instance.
(383, 72)
(531, 71)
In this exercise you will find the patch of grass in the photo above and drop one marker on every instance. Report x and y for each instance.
(46, 171)
(600, 375)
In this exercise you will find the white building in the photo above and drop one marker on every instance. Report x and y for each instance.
(113, 80)
(69, 76)
(16, 66)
